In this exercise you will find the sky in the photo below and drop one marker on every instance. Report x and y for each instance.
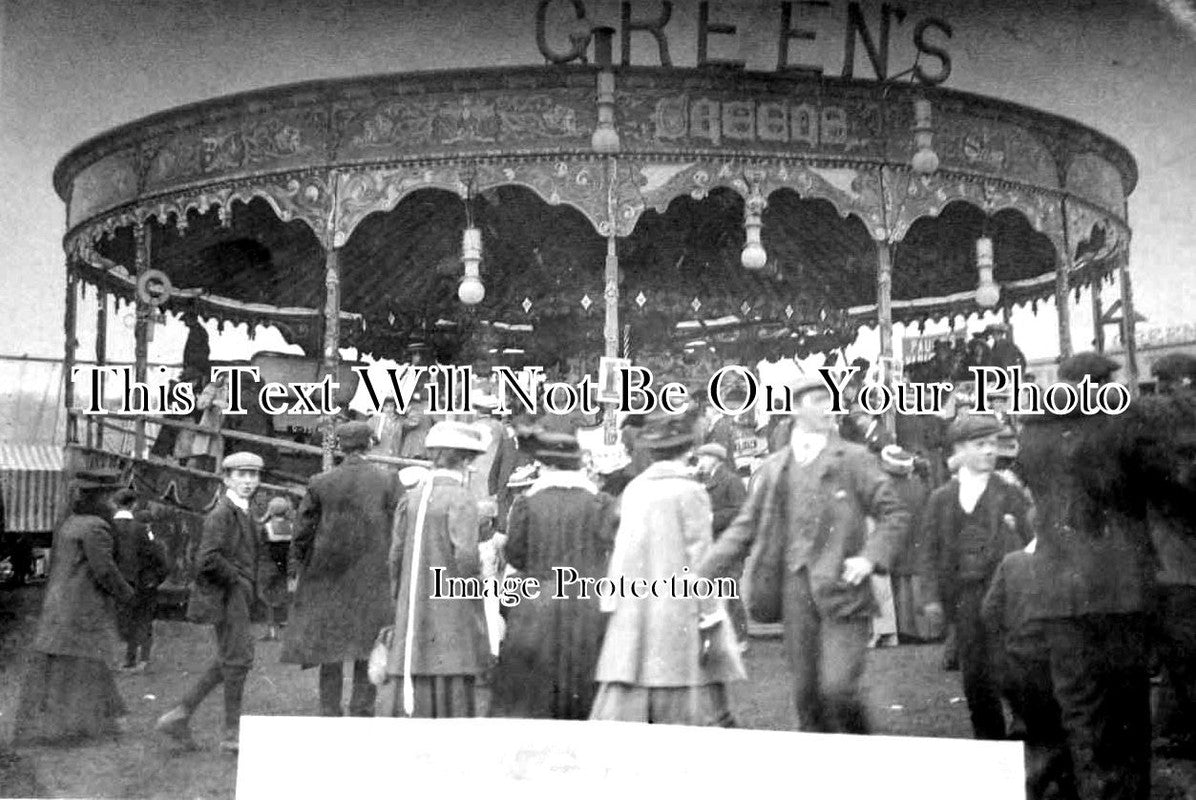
(70, 69)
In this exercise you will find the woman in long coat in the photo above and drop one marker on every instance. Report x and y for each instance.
(665, 659)
(439, 645)
(69, 693)
(546, 664)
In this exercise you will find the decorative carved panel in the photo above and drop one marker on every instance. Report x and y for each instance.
(1097, 181)
(108, 183)
(980, 143)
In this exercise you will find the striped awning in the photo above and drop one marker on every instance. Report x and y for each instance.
(34, 457)
(31, 479)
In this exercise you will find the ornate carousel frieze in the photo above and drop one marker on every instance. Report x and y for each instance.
(586, 210)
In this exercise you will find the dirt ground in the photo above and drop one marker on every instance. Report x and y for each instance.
(910, 695)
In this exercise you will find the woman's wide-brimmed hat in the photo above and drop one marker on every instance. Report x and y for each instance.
(450, 435)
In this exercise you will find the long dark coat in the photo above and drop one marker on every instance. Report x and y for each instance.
(1093, 546)
(341, 541)
(913, 492)
(79, 611)
(546, 666)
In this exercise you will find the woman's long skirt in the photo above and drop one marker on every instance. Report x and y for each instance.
(66, 698)
(436, 696)
(663, 705)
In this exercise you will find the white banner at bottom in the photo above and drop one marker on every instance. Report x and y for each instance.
(300, 757)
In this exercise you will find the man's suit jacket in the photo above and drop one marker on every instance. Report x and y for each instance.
(852, 487)
(946, 562)
(226, 561)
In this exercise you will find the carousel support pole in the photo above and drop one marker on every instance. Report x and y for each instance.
(68, 355)
(1063, 287)
(332, 315)
(101, 356)
(141, 240)
(1098, 327)
(610, 294)
(884, 317)
(610, 423)
(1129, 338)
(332, 321)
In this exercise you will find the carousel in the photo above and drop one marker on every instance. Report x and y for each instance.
(681, 217)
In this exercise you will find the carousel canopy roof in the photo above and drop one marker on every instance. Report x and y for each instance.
(242, 197)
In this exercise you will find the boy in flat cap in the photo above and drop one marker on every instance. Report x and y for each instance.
(972, 521)
(223, 595)
(340, 550)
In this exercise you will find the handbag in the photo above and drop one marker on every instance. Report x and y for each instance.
(380, 655)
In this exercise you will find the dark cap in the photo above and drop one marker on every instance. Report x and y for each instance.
(354, 435)
(1094, 365)
(556, 447)
(968, 426)
(1174, 367)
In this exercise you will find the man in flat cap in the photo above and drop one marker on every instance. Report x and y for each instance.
(1093, 569)
(727, 493)
(971, 522)
(340, 550)
(222, 596)
(805, 512)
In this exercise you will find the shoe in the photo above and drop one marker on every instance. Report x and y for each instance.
(139, 667)
(176, 723)
(230, 744)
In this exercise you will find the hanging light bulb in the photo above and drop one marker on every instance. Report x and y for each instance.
(605, 138)
(471, 291)
(925, 161)
(987, 292)
(753, 257)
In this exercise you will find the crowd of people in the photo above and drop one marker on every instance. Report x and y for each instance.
(1058, 549)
